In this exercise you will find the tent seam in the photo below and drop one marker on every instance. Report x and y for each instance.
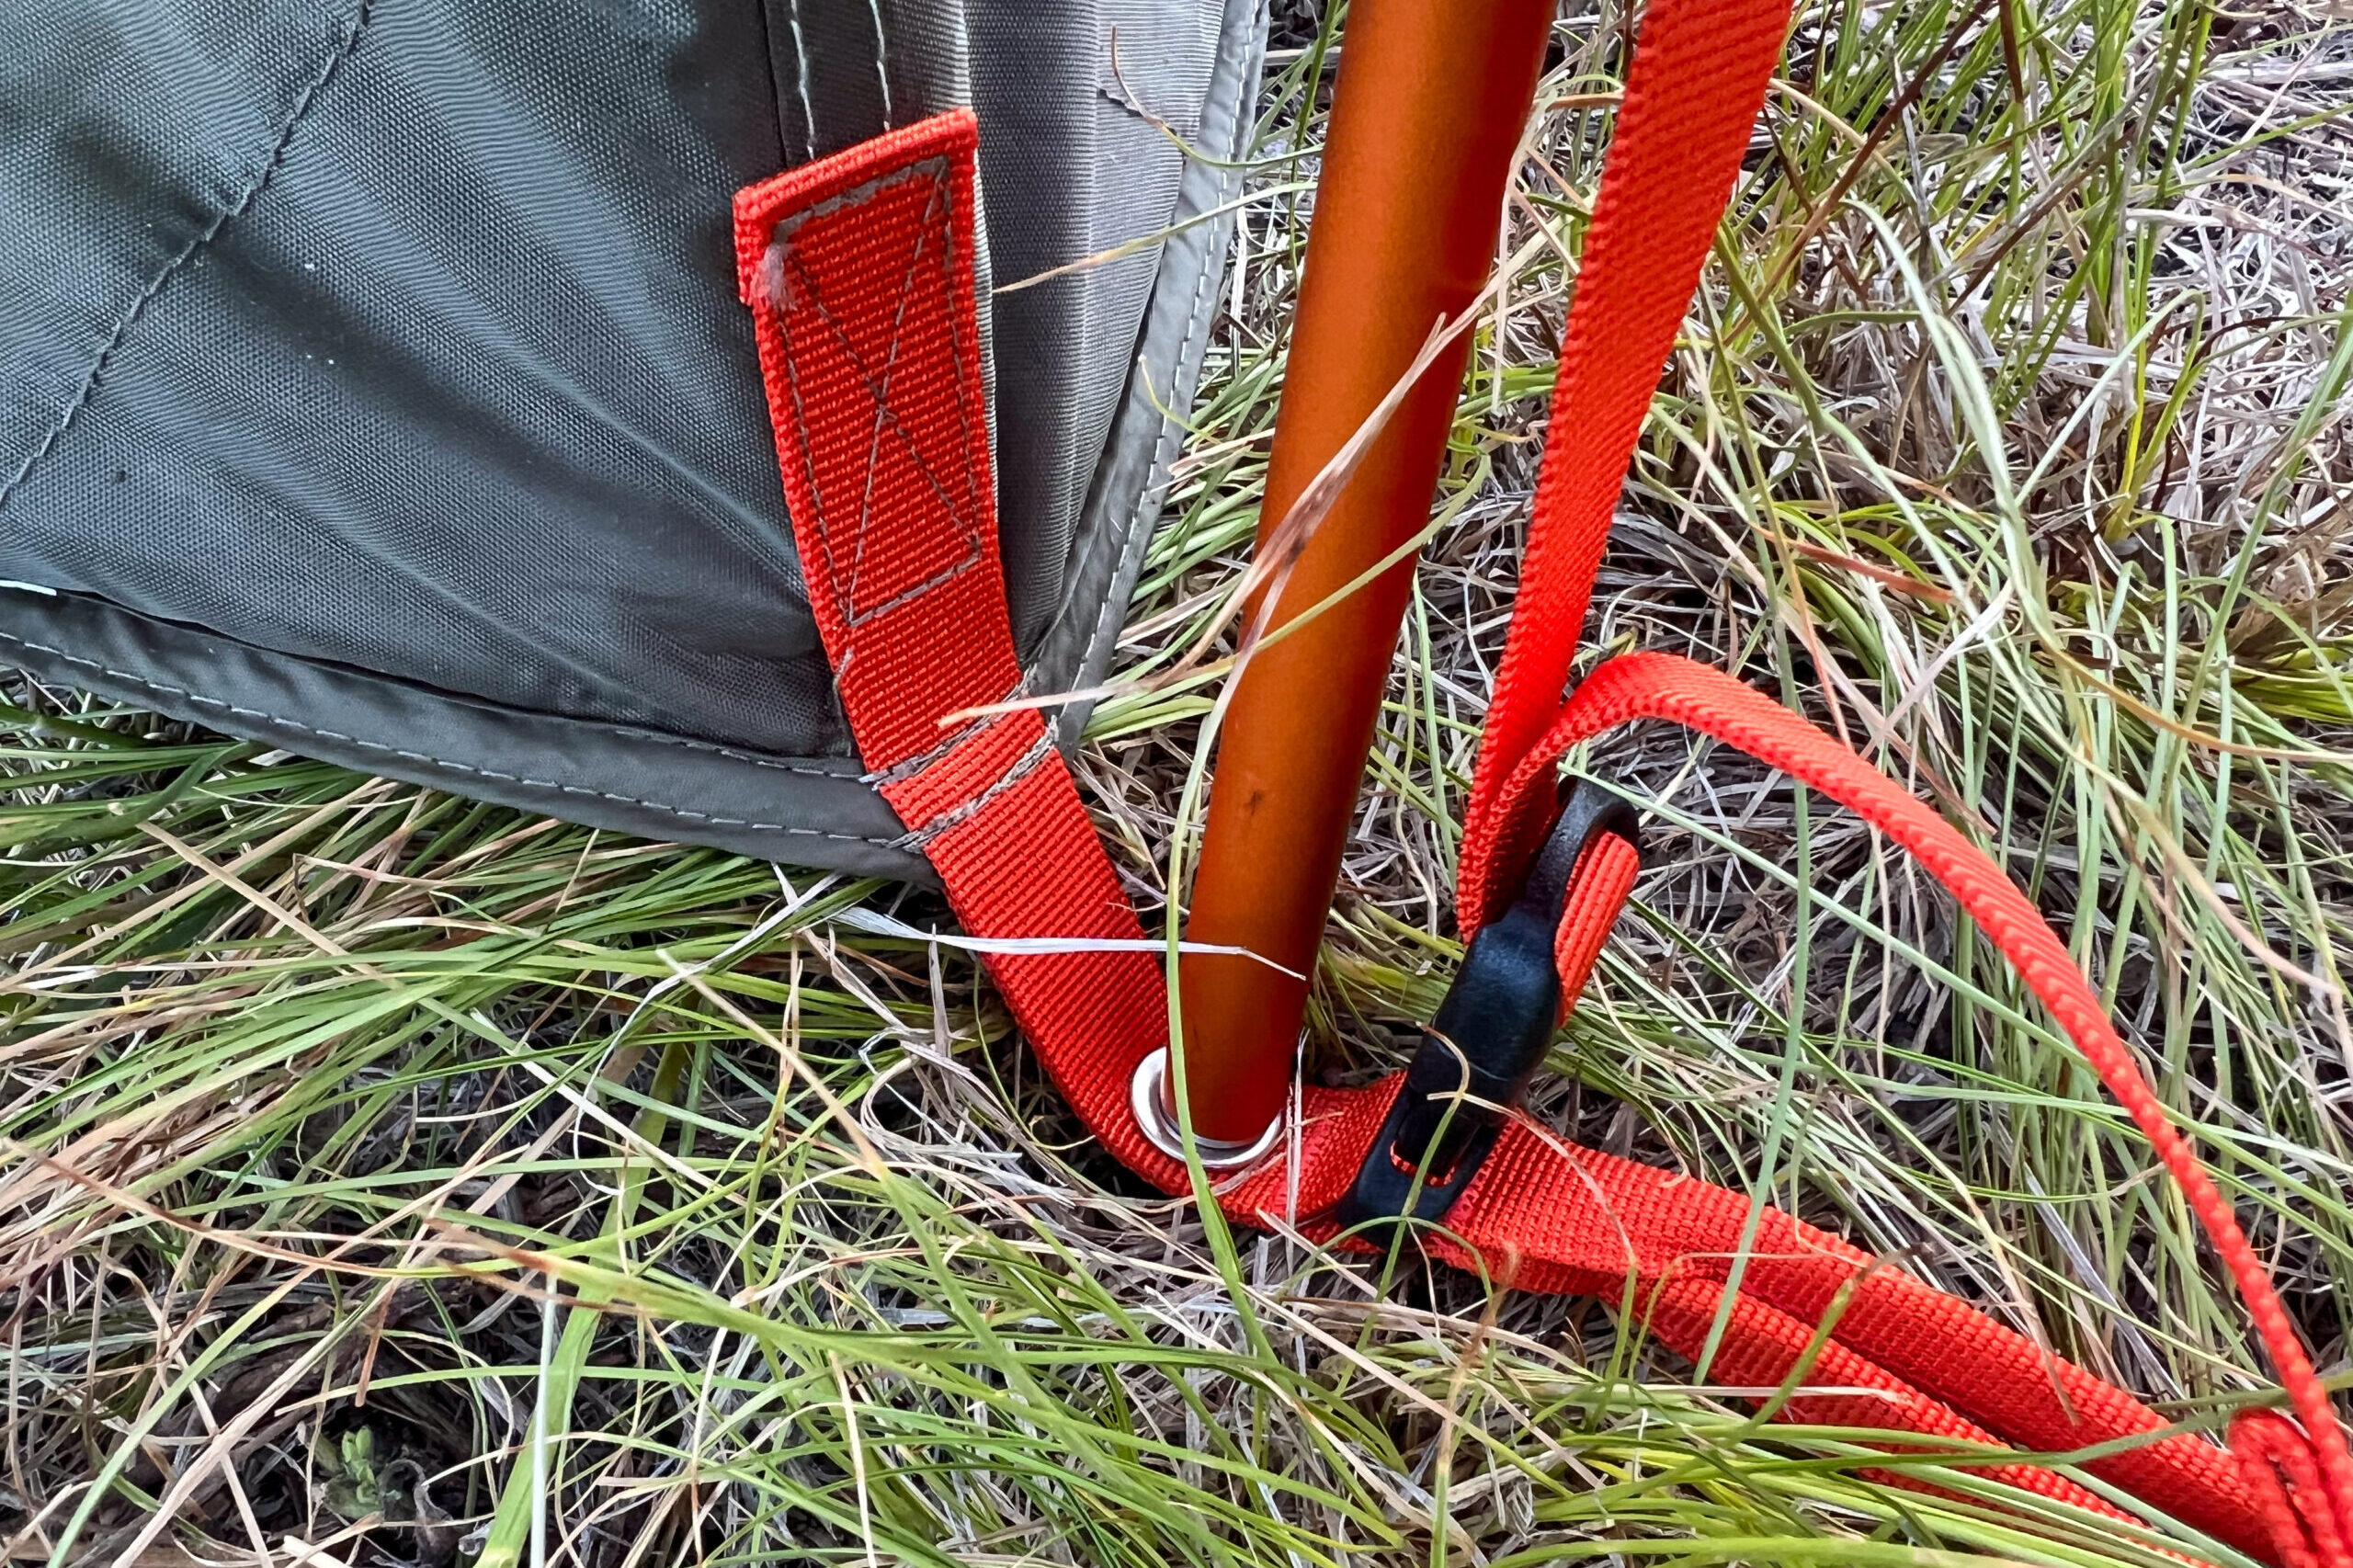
(1157, 480)
(682, 812)
(353, 27)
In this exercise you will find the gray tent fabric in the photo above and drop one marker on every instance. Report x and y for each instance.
(372, 381)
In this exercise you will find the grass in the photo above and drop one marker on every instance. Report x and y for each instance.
(394, 1178)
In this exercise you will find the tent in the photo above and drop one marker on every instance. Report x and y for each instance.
(373, 383)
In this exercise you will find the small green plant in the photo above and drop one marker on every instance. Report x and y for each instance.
(353, 1486)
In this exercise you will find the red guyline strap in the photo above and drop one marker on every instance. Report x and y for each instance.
(858, 273)
(1692, 94)
(1662, 686)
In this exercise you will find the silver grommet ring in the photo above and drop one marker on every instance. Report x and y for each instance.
(1155, 1114)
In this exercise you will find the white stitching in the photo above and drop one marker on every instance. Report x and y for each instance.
(881, 60)
(352, 27)
(949, 817)
(880, 386)
(800, 65)
(681, 812)
(937, 170)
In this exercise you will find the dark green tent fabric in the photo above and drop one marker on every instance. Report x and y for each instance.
(372, 381)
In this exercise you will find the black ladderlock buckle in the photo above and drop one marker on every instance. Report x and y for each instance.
(1487, 1039)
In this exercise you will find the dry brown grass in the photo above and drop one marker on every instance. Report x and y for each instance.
(2026, 469)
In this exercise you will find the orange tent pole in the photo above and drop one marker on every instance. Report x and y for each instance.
(1428, 111)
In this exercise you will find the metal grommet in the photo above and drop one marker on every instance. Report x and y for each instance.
(1155, 1114)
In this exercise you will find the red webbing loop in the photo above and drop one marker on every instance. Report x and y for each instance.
(857, 269)
(1692, 93)
(859, 272)
(1661, 686)
(2288, 1490)
(1603, 880)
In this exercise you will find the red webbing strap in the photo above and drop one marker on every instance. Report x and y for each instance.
(1996, 1378)
(858, 273)
(858, 270)
(1692, 94)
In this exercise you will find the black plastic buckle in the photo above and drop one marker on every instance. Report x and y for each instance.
(1487, 1039)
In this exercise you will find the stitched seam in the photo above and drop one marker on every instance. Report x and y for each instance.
(843, 595)
(731, 753)
(1154, 481)
(881, 60)
(800, 67)
(681, 812)
(954, 816)
(898, 772)
(780, 255)
(785, 220)
(958, 514)
(881, 385)
(352, 29)
(1157, 480)
(624, 731)
(963, 363)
